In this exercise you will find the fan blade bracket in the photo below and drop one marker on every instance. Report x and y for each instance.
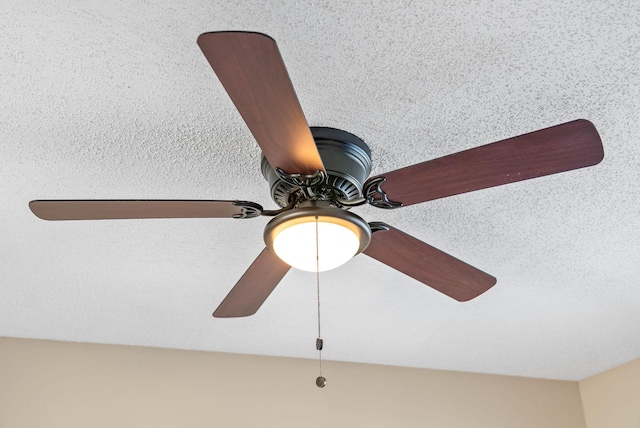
(377, 197)
(247, 209)
(378, 226)
(302, 180)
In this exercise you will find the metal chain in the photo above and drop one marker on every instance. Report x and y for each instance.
(318, 295)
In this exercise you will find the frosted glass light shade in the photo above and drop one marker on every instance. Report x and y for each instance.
(341, 235)
(296, 245)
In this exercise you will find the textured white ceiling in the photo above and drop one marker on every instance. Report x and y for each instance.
(115, 100)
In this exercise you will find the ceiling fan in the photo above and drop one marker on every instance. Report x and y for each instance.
(317, 174)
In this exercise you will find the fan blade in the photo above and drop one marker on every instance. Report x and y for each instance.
(427, 264)
(560, 148)
(253, 73)
(138, 209)
(254, 287)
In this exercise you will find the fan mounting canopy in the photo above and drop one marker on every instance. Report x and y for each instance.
(346, 159)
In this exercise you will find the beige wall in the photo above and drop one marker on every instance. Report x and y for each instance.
(57, 384)
(612, 399)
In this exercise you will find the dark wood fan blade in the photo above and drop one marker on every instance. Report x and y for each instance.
(254, 287)
(253, 73)
(137, 209)
(560, 148)
(427, 264)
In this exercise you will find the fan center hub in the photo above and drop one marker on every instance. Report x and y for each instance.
(347, 162)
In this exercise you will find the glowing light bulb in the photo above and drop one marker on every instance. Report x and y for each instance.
(296, 245)
(341, 235)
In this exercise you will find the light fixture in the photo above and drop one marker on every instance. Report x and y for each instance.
(341, 235)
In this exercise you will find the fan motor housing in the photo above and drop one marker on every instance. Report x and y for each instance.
(346, 159)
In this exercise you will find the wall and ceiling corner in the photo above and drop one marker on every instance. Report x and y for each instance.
(612, 398)
(62, 384)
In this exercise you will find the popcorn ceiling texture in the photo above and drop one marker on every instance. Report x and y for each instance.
(115, 100)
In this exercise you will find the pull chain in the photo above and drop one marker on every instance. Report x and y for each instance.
(320, 380)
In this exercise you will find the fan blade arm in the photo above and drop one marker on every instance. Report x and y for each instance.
(253, 288)
(253, 73)
(560, 148)
(104, 209)
(427, 264)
